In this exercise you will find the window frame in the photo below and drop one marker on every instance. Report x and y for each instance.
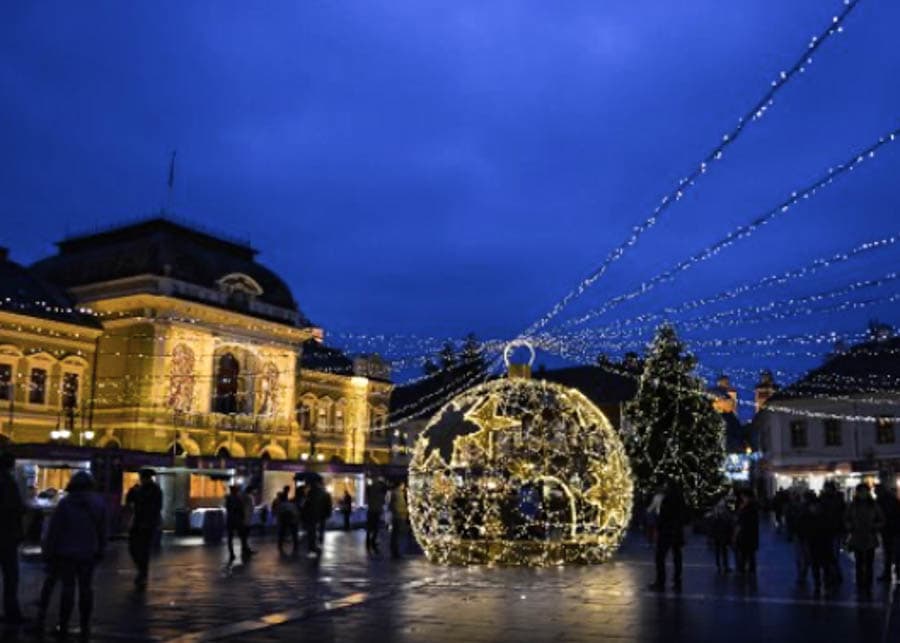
(833, 424)
(884, 426)
(795, 425)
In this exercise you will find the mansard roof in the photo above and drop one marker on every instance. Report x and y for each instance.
(25, 293)
(162, 247)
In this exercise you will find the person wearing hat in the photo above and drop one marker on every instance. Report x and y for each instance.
(11, 512)
(75, 542)
(145, 500)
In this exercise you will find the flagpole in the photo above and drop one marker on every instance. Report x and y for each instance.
(171, 181)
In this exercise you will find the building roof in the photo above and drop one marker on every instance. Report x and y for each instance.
(600, 385)
(867, 367)
(738, 436)
(315, 356)
(25, 293)
(162, 247)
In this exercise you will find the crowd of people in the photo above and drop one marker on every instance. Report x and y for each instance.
(75, 538)
(818, 526)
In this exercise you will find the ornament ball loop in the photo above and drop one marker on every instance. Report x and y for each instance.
(516, 343)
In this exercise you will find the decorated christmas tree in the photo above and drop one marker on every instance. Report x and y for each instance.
(673, 432)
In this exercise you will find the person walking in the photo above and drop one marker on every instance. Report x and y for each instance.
(818, 541)
(864, 521)
(145, 501)
(75, 542)
(325, 511)
(347, 509)
(287, 517)
(670, 536)
(374, 510)
(794, 516)
(890, 508)
(399, 517)
(722, 531)
(746, 536)
(11, 513)
(236, 523)
(315, 506)
(835, 508)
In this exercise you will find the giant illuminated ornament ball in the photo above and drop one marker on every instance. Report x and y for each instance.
(519, 472)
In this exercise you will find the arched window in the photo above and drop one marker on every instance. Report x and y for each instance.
(304, 416)
(339, 416)
(227, 379)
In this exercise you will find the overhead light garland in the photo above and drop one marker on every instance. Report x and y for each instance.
(775, 279)
(756, 112)
(748, 229)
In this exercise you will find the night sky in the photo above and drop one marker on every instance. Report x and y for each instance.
(415, 167)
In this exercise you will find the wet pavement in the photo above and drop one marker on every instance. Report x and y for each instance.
(195, 596)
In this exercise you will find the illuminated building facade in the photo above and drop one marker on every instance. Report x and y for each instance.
(46, 360)
(838, 422)
(191, 347)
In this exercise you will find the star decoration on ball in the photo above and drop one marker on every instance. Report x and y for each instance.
(517, 471)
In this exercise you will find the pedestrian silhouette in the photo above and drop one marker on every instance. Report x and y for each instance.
(11, 513)
(145, 500)
(75, 542)
(670, 536)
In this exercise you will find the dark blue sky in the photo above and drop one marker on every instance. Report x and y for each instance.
(439, 168)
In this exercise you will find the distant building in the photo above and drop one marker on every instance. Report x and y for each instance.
(725, 396)
(741, 445)
(765, 388)
(837, 422)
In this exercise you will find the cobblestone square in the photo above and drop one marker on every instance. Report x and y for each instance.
(195, 596)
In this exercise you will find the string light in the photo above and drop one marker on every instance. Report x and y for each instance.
(519, 472)
(748, 229)
(756, 112)
(775, 279)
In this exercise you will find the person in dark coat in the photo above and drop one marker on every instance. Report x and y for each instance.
(75, 542)
(145, 500)
(399, 517)
(11, 513)
(835, 508)
(236, 522)
(670, 535)
(325, 512)
(347, 509)
(818, 543)
(315, 508)
(864, 521)
(890, 508)
(375, 508)
(722, 531)
(287, 516)
(746, 535)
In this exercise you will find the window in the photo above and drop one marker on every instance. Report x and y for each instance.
(884, 427)
(339, 419)
(37, 393)
(303, 416)
(322, 418)
(833, 437)
(70, 391)
(798, 434)
(6, 382)
(227, 374)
